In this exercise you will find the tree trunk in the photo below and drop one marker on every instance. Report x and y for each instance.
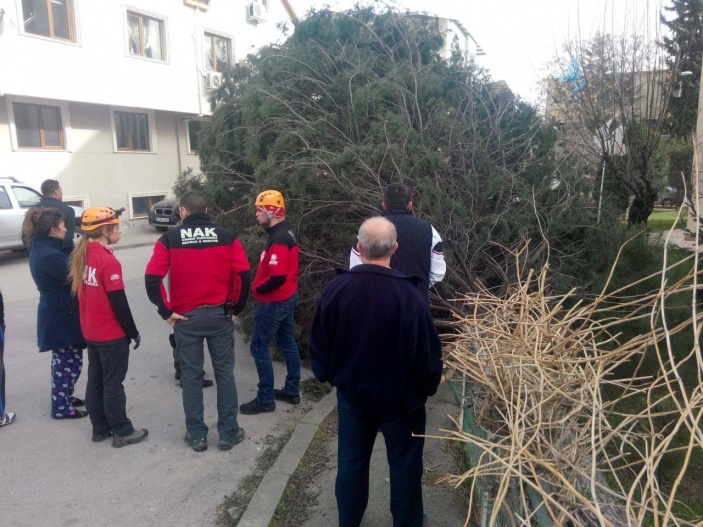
(640, 210)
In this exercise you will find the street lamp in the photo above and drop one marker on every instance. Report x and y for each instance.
(679, 91)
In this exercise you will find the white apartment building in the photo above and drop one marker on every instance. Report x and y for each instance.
(107, 96)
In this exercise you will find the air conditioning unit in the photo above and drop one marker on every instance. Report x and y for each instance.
(256, 12)
(213, 80)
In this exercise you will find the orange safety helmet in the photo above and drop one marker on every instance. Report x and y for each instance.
(95, 217)
(271, 202)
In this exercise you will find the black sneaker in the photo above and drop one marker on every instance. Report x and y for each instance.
(74, 414)
(282, 395)
(135, 437)
(227, 445)
(256, 407)
(98, 438)
(199, 445)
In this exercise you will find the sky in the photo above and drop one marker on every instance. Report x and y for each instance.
(521, 36)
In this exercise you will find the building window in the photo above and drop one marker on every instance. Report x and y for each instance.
(132, 132)
(146, 36)
(49, 18)
(202, 4)
(38, 126)
(73, 202)
(141, 205)
(216, 51)
(194, 128)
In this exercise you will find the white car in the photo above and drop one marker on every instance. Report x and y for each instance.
(15, 198)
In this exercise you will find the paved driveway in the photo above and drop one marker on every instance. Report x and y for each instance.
(51, 474)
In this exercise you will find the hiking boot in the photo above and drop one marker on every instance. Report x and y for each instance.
(98, 438)
(256, 407)
(227, 445)
(199, 445)
(282, 395)
(9, 417)
(135, 437)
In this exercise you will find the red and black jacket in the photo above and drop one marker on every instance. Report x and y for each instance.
(277, 275)
(208, 267)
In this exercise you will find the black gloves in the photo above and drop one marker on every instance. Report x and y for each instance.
(137, 341)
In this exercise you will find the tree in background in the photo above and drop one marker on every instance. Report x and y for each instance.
(356, 100)
(612, 109)
(684, 49)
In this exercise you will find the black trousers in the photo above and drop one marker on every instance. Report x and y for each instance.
(105, 398)
(357, 434)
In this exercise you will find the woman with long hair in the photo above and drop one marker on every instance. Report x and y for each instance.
(108, 326)
(58, 324)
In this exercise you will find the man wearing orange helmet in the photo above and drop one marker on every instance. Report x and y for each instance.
(276, 290)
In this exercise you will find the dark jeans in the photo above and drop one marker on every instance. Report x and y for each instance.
(211, 324)
(357, 434)
(275, 319)
(105, 399)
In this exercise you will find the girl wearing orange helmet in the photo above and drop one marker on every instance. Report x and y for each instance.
(108, 326)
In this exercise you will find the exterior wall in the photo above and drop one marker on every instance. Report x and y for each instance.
(93, 172)
(697, 169)
(96, 75)
(98, 68)
(647, 89)
(451, 28)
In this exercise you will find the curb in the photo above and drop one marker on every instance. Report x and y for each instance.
(262, 506)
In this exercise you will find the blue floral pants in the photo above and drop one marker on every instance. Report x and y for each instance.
(66, 366)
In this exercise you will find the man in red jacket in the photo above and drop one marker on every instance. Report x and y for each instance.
(276, 289)
(209, 285)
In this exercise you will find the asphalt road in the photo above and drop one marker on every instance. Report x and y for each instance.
(51, 474)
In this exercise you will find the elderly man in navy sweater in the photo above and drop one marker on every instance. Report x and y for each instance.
(374, 339)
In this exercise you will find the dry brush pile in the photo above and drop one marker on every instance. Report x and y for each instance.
(540, 368)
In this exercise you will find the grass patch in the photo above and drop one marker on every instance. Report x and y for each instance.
(230, 511)
(315, 390)
(661, 220)
(297, 497)
(640, 259)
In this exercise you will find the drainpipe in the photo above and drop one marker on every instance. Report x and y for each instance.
(181, 122)
(198, 73)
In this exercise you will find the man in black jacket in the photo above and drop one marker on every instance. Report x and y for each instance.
(420, 246)
(52, 195)
(374, 339)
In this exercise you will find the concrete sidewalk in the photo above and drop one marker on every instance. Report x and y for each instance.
(444, 505)
(53, 475)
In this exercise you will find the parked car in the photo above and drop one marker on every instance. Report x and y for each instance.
(15, 198)
(669, 197)
(164, 213)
